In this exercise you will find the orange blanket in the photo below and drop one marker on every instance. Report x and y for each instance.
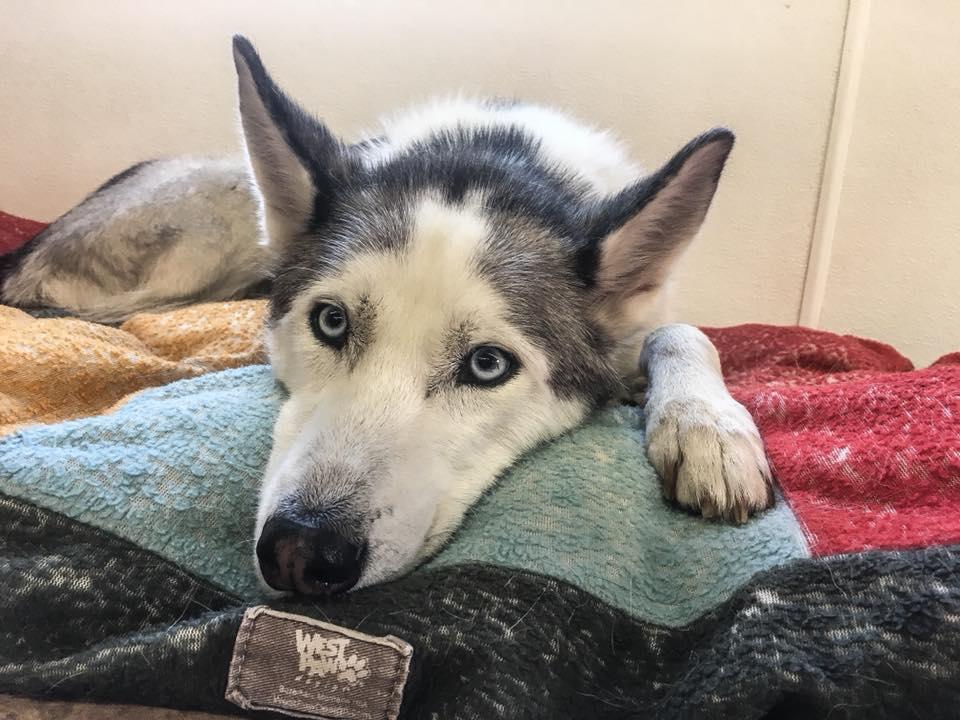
(61, 368)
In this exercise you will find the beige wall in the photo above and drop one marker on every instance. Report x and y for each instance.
(894, 272)
(87, 88)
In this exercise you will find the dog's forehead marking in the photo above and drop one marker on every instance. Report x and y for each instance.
(444, 240)
(430, 283)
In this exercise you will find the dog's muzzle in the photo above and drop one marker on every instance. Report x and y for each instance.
(308, 559)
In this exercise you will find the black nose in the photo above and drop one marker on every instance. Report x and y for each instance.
(307, 559)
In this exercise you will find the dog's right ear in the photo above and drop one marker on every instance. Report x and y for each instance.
(295, 159)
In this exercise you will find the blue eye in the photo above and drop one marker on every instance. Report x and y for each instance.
(329, 324)
(487, 366)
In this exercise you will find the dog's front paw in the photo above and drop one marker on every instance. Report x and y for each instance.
(709, 456)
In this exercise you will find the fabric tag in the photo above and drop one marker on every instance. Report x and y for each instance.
(308, 668)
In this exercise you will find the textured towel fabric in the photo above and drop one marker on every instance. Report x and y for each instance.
(161, 471)
(176, 461)
(587, 508)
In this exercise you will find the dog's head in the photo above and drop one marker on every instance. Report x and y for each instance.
(436, 313)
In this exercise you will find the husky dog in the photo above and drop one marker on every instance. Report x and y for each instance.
(447, 293)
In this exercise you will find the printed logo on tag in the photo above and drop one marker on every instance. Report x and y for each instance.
(308, 668)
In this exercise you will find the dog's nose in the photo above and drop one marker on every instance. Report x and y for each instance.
(307, 559)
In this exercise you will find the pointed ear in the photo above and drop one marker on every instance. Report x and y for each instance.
(638, 234)
(295, 160)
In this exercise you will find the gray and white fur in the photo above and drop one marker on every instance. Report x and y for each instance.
(468, 281)
(162, 234)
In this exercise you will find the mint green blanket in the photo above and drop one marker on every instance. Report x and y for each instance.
(176, 471)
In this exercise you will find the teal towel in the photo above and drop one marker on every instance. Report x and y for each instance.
(176, 470)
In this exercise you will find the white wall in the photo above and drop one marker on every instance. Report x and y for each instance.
(86, 88)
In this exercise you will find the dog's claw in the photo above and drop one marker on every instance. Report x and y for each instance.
(669, 480)
(740, 514)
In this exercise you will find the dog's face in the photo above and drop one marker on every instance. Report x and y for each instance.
(412, 385)
(434, 316)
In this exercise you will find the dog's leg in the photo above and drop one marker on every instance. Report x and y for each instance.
(703, 443)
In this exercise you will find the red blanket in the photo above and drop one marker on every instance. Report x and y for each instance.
(865, 448)
(14, 231)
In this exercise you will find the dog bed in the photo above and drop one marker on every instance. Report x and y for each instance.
(129, 463)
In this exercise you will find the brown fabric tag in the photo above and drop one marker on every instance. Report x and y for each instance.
(307, 668)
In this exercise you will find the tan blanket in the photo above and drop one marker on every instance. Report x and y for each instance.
(61, 368)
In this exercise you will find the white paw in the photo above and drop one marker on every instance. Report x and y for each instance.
(709, 456)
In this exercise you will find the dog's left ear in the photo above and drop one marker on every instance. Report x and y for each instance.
(638, 234)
